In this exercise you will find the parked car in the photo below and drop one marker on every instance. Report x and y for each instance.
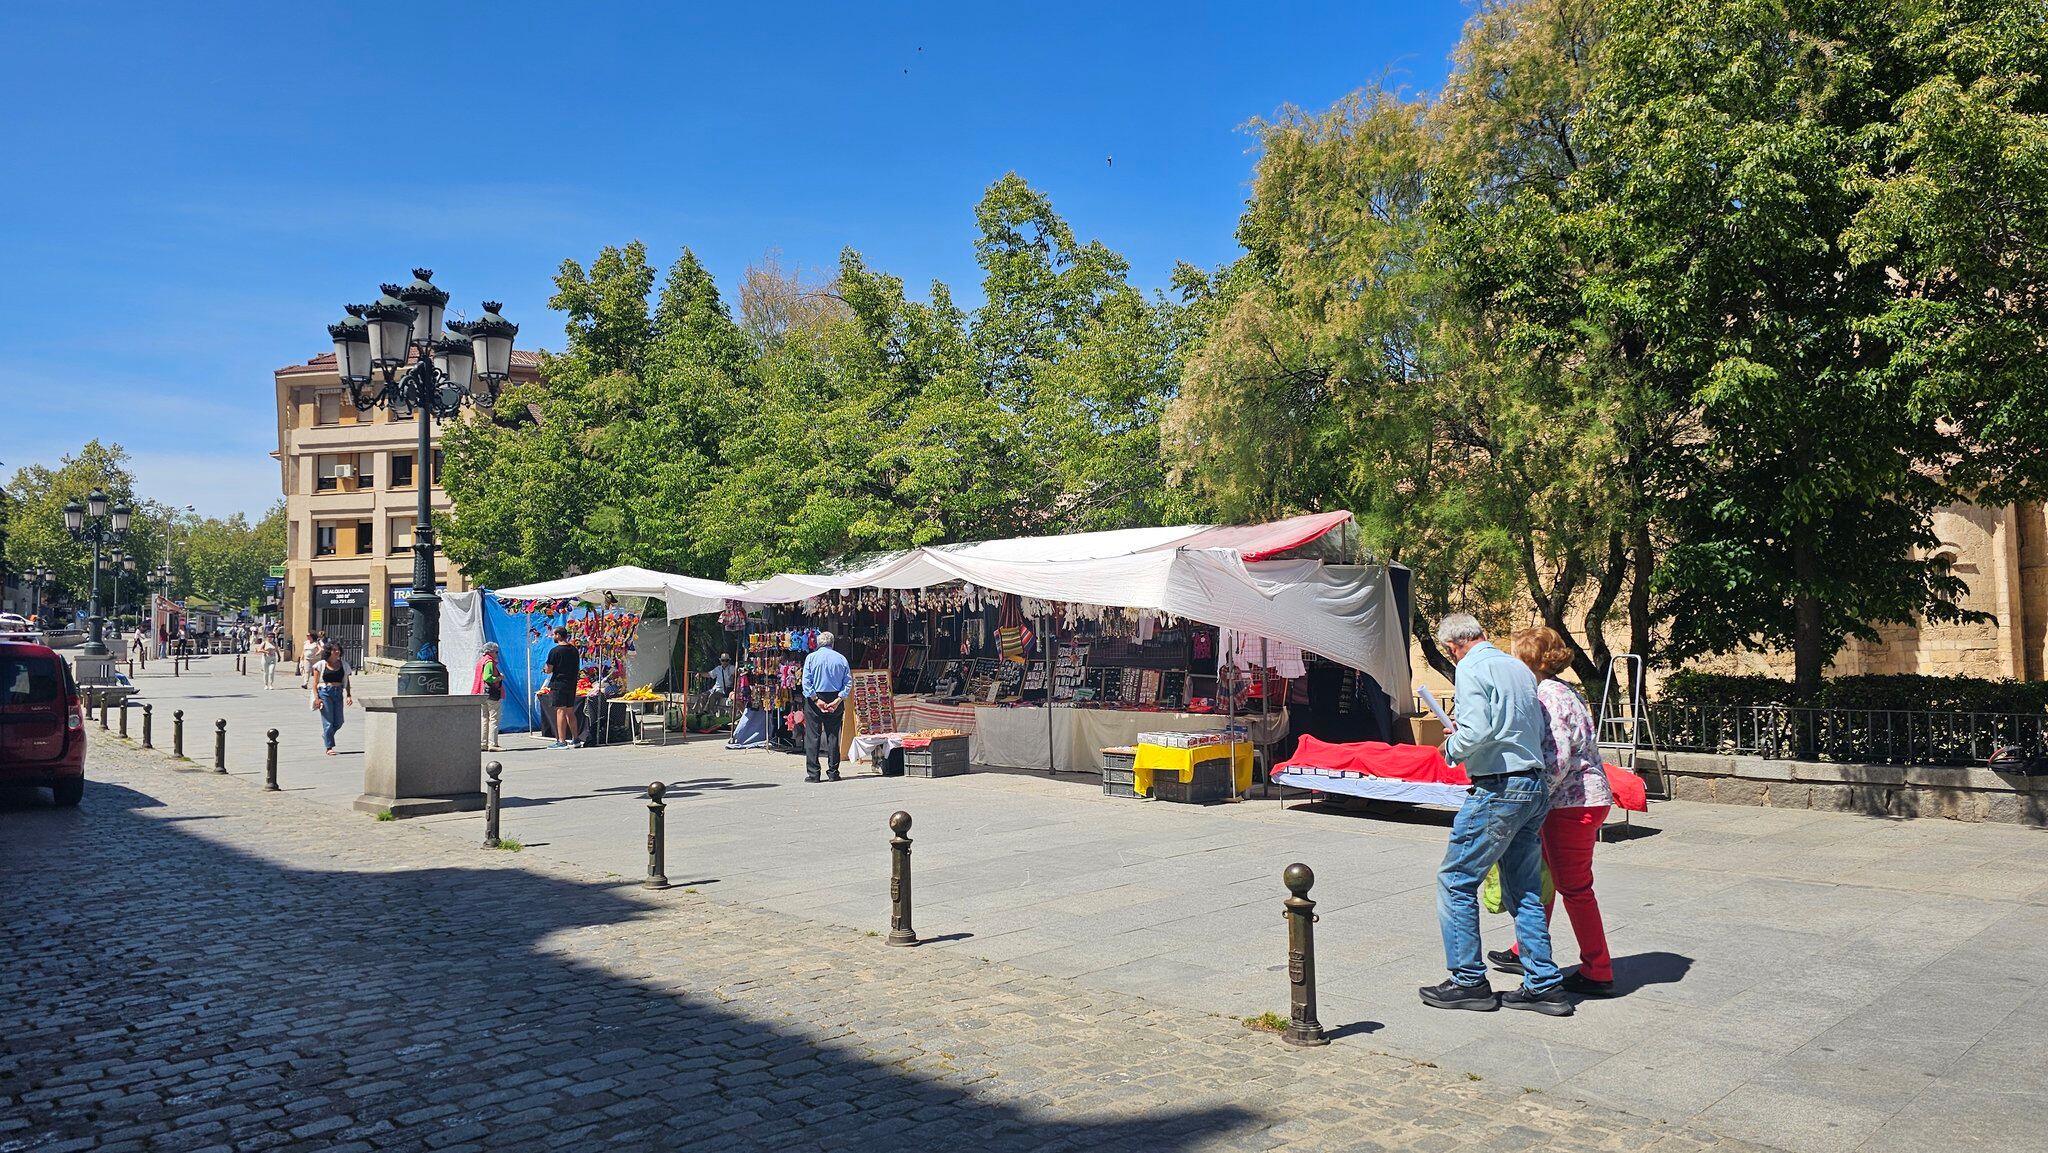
(42, 723)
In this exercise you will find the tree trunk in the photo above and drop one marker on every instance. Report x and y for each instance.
(1425, 639)
(1808, 637)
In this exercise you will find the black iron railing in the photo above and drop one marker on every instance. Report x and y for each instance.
(1861, 736)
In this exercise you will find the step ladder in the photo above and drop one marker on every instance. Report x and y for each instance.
(1624, 730)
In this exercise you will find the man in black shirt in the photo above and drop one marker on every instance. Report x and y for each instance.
(562, 663)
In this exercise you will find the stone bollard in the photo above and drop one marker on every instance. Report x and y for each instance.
(900, 932)
(148, 723)
(88, 695)
(103, 710)
(124, 718)
(178, 733)
(220, 745)
(657, 845)
(1302, 1026)
(270, 763)
(491, 786)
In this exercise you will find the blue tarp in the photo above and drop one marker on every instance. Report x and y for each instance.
(523, 644)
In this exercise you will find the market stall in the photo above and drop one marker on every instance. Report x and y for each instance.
(1047, 650)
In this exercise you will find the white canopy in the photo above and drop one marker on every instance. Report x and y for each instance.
(1345, 613)
(683, 595)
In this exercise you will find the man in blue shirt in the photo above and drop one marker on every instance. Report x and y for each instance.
(824, 688)
(1499, 736)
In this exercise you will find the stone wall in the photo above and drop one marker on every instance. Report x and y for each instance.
(1957, 794)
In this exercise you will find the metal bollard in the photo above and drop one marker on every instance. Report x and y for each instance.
(657, 845)
(103, 710)
(220, 745)
(87, 697)
(124, 718)
(148, 723)
(178, 734)
(900, 932)
(270, 764)
(491, 787)
(1302, 1026)
(174, 665)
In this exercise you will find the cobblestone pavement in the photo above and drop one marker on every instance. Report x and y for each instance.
(188, 963)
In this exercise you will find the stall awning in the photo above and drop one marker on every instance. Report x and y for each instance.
(1256, 542)
(681, 595)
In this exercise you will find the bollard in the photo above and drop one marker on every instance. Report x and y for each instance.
(900, 932)
(148, 722)
(220, 745)
(491, 786)
(1302, 1026)
(103, 710)
(174, 665)
(657, 845)
(88, 696)
(124, 718)
(270, 764)
(178, 733)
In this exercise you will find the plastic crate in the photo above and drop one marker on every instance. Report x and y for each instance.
(1119, 772)
(1208, 783)
(944, 757)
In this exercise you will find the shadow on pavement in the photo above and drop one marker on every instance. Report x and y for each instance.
(1643, 969)
(425, 1006)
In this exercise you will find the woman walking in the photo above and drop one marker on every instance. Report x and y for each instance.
(331, 690)
(266, 647)
(1579, 800)
(490, 685)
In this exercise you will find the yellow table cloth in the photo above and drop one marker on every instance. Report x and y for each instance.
(1181, 762)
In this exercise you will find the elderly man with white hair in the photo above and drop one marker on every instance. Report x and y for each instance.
(1499, 736)
(824, 687)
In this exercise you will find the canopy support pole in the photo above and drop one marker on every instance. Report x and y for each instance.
(1045, 641)
(686, 683)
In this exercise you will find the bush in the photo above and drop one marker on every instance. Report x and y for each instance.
(1911, 693)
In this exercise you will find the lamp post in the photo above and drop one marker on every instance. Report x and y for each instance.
(161, 578)
(372, 346)
(38, 576)
(101, 524)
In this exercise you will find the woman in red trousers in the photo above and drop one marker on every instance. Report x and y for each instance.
(1579, 800)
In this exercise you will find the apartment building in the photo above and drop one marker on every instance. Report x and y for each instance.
(351, 487)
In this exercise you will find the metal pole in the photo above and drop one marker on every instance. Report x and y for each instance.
(96, 644)
(102, 694)
(270, 763)
(1302, 1026)
(423, 674)
(124, 718)
(148, 720)
(220, 745)
(657, 846)
(178, 734)
(491, 786)
(900, 932)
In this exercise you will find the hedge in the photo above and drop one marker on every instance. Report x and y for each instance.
(1905, 692)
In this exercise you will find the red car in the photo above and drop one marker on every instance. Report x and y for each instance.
(42, 723)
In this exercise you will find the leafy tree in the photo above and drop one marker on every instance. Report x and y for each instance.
(36, 533)
(226, 560)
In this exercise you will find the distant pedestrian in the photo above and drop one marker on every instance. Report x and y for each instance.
(309, 656)
(825, 678)
(490, 685)
(562, 666)
(267, 649)
(332, 691)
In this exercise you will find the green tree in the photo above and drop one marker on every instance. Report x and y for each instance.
(36, 533)
(225, 561)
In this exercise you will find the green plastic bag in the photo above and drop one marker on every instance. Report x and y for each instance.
(1490, 897)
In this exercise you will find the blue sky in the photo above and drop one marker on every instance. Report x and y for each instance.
(189, 193)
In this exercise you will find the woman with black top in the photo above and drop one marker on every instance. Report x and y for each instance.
(331, 688)
(562, 664)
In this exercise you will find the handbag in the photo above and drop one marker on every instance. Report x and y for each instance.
(1490, 897)
(1629, 790)
(494, 690)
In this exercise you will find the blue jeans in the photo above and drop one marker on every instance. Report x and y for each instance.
(330, 713)
(1500, 822)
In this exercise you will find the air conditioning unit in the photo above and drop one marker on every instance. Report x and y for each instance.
(345, 471)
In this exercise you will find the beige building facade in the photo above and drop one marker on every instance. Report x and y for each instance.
(351, 489)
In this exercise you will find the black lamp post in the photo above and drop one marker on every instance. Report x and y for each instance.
(372, 347)
(38, 576)
(102, 525)
(161, 578)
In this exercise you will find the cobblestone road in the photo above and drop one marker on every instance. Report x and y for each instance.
(188, 963)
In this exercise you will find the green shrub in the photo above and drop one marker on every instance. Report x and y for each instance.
(1907, 692)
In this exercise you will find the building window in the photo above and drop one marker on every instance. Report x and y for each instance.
(363, 539)
(436, 482)
(327, 408)
(323, 540)
(401, 534)
(347, 472)
(401, 470)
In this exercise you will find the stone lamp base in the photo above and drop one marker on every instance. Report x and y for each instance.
(423, 755)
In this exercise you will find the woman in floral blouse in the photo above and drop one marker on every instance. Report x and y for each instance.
(1579, 800)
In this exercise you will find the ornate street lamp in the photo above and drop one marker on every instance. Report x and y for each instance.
(102, 525)
(394, 354)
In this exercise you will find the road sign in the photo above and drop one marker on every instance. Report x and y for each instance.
(277, 571)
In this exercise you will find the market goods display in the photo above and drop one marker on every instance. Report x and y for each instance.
(643, 693)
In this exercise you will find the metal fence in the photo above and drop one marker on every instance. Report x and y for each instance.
(1860, 736)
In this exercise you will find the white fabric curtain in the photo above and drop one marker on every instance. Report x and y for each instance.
(462, 637)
